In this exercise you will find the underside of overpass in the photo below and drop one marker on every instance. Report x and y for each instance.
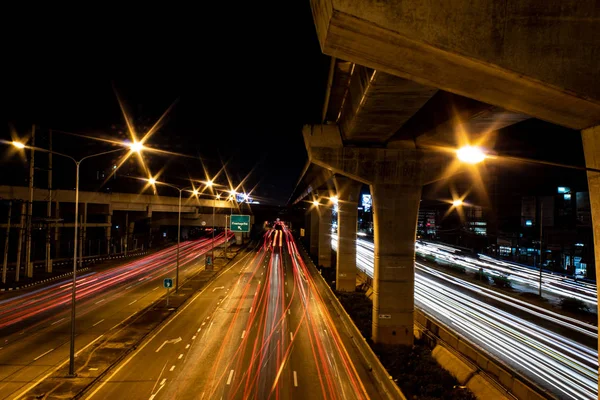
(411, 81)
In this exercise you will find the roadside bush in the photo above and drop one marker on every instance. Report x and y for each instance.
(482, 276)
(502, 282)
(574, 305)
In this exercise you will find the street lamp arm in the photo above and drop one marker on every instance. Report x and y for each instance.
(550, 163)
(99, 154)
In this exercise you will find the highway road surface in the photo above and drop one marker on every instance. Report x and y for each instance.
(557, 352)
(35, 324)
(261, 330)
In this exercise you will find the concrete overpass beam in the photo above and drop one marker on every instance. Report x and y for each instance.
(395, 210)
(526, 56)
(591, 148)
(325, 236)
(348, 191)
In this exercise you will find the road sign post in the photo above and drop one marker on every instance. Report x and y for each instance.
(168, 284)
(209, 263)
(239, 223)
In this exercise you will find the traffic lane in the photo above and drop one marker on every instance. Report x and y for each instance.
(194, 324)
(303, 376)
(46, 301)
(94, 317)
(350, 343)
(542, 356)
(539, 316)
(335, 360)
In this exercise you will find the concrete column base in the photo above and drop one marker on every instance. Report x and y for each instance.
(348, 191)
(395, 211)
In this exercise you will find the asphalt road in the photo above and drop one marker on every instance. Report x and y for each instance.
(35, 325)
(260, 330)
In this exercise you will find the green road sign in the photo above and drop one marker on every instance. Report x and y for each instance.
(168, 283)
(240, 223)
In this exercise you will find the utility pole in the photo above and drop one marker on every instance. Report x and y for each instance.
(20, 243)
(126, 231)
(5, 263)
(541, 224)
(49, 207)
(28, 264)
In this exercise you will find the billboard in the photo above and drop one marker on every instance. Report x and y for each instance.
(367, 202)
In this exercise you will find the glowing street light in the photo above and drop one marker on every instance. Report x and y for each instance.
(334, 199)
(20, 145)
(470, 154)
(136, 147)
(152, 181)
(209, 183)
(315, 203)
(457, 203)
(195, 192)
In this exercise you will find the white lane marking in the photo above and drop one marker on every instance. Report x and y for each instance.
(325, 330)
(243, 333)
(289, 311)
(34, 384)
(202, 325)
(163, 381)
(286, 294)
(132, 302)
(155, 288)
(128, 287)
(98, 302)
(99, 322)
(56, 322)
(295, 379)
(93, 369)
(180, 357)
(187, 346)
(193, 337)
(123, 364)
(230, 377)
(291, 336)
(250, 310)
(42, 355)
(286, 283)
(172, 368)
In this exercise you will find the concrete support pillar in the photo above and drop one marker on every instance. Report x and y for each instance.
(108, 229)
(325, 236)
(348, 191)
(591, 149)
(313, 226)
(20, 243)
(395, 213)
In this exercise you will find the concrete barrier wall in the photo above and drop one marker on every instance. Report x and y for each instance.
(472, 366)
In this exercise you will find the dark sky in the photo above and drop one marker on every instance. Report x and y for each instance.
(245, 81)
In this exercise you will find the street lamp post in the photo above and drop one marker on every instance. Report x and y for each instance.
(135, 147)
(153, 182)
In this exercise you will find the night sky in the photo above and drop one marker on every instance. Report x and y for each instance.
(242, 82)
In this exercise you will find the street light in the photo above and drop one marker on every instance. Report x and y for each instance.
(475, 155)
(315, 203)
(470, 154)
(153, 182)
(136, 146)
(20, 145)
(457, 203)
